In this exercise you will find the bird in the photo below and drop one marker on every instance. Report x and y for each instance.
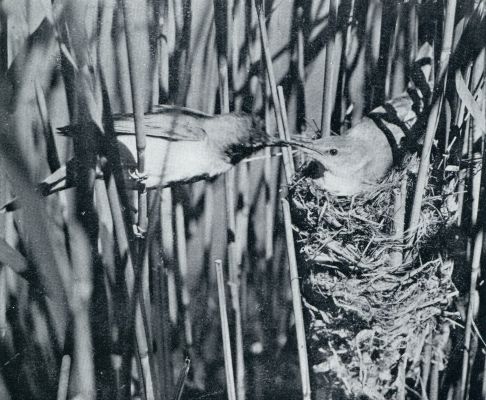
(182, 146)
(360, 158)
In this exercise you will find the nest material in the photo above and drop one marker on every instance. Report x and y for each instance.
(371, 318)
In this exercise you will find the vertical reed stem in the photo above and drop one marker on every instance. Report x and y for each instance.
(400, 197)
(224, 54)
(332, 63)
(433, 119)
(228, 359)
(434, 380)
(297, 303)
(273, 88)
(183, 268)
(137, 85)
(62, 389)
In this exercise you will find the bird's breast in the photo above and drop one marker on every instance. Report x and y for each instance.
(171, 162)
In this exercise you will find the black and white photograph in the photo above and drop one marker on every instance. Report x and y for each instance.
(242, 199)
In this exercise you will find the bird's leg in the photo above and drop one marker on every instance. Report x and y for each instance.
(138, 177)
(138, 232)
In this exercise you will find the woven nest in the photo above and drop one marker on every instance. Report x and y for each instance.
(371, 318)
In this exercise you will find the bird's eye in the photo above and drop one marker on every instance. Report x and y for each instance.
(333, 152)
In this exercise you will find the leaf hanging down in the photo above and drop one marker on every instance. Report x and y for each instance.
(468, 99)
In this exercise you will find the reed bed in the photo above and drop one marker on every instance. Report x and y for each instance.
(107, 293)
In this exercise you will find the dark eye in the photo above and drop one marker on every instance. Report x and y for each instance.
(333, 152)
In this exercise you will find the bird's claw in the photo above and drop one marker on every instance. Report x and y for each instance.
(137, 176)
(139, 232)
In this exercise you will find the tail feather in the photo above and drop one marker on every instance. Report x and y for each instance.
(55, 182)
(67, 130)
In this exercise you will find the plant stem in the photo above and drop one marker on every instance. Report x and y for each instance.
(228, 359)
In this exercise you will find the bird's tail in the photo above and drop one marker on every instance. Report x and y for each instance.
(55, 182)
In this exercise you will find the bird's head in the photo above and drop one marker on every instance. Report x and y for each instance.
(353, 161)
(338, 155)
(240, 135)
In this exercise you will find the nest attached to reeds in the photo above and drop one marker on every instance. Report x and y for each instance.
(371, 318)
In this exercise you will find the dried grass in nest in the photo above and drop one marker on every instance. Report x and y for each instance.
(369, 318)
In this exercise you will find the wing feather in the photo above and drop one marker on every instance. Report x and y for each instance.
(166, 126)
(167, 122)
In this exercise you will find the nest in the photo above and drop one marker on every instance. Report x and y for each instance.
(371, 316)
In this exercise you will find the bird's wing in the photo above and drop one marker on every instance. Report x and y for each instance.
(161, 125)
(165, 108)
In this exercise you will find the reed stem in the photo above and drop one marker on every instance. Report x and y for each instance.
(422, 177)
(228, 359)
(62, 389)
(183, 269)
(332, 64)
(273, 88)
(224, 54)
(297, 303)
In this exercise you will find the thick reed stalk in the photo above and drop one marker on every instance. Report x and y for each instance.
(301, 52)
(426, 363)
(434, 380)
(164, 53)
(183, 270)
(65, 371)
(223, 40)
(137, 85)
(297, 303)
(345, 60)
(169, 295)
(397, 60)
(228, 359)
(412, 38)
(273, 88)
(160, 309)
(332, 64)
(400, 198)
(433, 119)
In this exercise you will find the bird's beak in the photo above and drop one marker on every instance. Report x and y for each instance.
(305, 145)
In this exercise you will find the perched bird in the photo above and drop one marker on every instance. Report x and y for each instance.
(182, 146)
